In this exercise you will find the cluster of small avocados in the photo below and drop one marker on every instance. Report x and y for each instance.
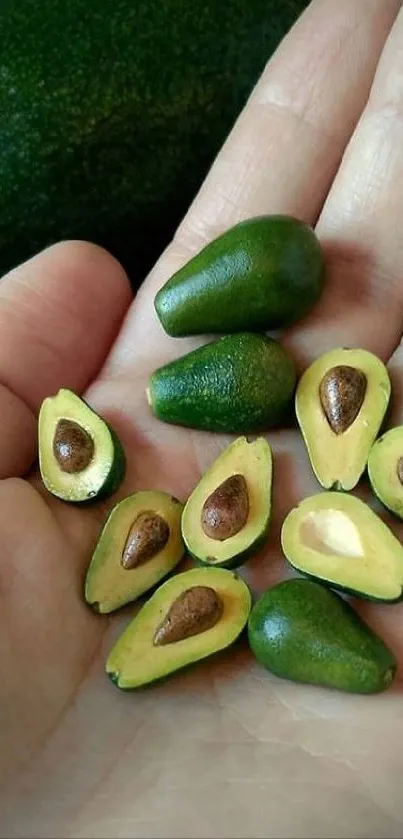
(263, 273)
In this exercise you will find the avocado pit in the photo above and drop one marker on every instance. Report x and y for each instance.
(225, 512)
(331, 532)
(399, 469)
(342, 392)
(73, 447)
(195, 610)
(147, 536)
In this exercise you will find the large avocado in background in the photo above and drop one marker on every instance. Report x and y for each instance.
(81, 458)
(338, 539)
(340, 402)
(226, 518)
(263, 273)
(111, 113)
(385, 469)
(139, 545)
(190, 617)
(301, 631)
(240, 383)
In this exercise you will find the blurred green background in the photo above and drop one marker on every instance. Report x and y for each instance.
(111, 112)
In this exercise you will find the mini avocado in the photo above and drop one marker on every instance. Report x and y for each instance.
(81, 459)
(191, 616)
(238, 384)
(336, 538)
(263, 273)
(341, 401)
(302, 631)
(226, 518)
(385, 469)
(139, 545)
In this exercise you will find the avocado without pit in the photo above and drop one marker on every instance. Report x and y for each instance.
(226, 518)
(81, 458)
(340, 402)
(301, 631)
(140, 544)
(240, 383)
(337, 538)
(263, 273)
(191, 616)
(385, 470)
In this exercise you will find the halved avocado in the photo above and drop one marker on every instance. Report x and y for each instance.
(336, 538)
(341, 401)
(81, 459)
(385, 469)
(226, 518)
(140, 544)
(208, 607)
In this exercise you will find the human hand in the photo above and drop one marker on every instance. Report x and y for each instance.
(224, 750)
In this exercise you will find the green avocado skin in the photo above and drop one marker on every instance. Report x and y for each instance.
(112, 112)
(354, 592)
(238, 384)
(263, 273)
(301, 631)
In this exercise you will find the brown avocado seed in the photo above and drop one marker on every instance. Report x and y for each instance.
(194, 611)
(73, 447)
(147, 536)
(225, 512)
(342, 392)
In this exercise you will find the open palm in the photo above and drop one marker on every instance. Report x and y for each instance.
(321, 138)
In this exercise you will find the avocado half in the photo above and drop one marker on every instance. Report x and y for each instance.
(109, 584)
(336, 538)
(385, 470)
(136, 659)
(339, 458)
(252, 462)
(81, 459)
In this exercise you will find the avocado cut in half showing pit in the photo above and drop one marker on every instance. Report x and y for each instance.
(336, 538)
(341, 401)
(81, 459)
(238, 384)
(301, 631)
(385, 470)
(140, 544)
(191, 616)
(226, 518)
(263, 273)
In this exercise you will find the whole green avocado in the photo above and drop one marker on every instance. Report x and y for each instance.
(111, 113)
(238, 384)
(263, 273)
(302, 631)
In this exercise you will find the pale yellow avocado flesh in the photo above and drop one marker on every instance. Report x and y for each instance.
(338, 539)
(108, 584)
(70, 486)
(382, 469)
(253, 461)
(338, 460)
(135, 660)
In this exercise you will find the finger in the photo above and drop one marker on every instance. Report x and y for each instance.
(360, 227)
(283, 151)
(59, 313)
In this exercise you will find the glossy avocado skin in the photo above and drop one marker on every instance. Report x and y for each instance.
(111, 113)
(238, 384)
(301, 631)
(264, 273)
